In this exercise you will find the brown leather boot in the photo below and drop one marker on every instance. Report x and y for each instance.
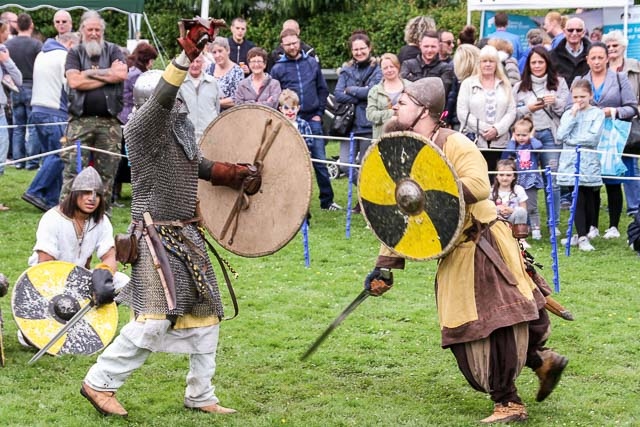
(506, 413)
(105, 402)
(214, 409)
(549, 373)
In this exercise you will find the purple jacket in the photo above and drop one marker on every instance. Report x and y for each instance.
(127, 94)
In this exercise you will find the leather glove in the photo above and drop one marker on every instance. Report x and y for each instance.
(102, 283)
(236, 175)
(4, 285)
(378, 281)
(196, 33)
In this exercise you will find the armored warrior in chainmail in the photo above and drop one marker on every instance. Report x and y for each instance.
(173, 290)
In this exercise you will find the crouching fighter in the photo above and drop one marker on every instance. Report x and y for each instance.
(173, 290)
(76, 229)
(490, 311)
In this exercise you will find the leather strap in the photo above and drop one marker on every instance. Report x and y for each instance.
(242, 201)
(224, 264)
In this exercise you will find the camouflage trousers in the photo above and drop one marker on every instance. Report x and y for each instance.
(104, 133)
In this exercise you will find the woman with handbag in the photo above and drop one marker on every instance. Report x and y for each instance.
(616, 44)
(355, 80)
(383, 96)
(543, 94)
(485, 99)
(612, 93)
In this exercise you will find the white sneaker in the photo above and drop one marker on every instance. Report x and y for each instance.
(535, 234)
(332, 207)
(524, 244)
(558, 232)
(585, 245)
(593, 233)
(574, 240)
(611, 233)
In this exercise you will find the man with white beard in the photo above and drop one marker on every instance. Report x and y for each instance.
(95, 71)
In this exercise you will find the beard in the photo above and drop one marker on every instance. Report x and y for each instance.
(393, 125)
(93, 47)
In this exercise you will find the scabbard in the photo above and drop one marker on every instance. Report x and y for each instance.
(556, 308)
(160, 260)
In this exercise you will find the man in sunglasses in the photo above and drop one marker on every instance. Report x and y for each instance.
(447, 43)
(570, 56)
(62, 22)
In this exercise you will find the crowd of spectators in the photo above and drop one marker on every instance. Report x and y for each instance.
(489, 83)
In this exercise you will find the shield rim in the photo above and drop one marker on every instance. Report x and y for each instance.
(112, 306)
(462, 206)
(309, 190)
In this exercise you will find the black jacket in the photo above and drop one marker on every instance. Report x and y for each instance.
(567, 65)
(416, 69)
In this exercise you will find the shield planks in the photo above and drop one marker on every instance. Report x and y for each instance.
(47, 295)
(270, 218)
(411, 196)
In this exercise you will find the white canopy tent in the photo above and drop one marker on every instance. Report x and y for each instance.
(492, 5)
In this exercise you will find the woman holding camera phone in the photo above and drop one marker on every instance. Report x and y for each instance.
(543, 94)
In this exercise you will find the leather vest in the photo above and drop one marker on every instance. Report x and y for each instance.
(112, 91)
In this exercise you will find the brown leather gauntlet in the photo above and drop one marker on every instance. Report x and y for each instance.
(236, 176)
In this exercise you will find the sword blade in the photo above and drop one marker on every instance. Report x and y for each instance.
(354, 304)
(76, 317)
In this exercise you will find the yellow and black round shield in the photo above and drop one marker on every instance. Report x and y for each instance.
(411, 196)
(47, 295)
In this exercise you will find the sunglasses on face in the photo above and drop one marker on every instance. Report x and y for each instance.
(574, 30)
(61, 22)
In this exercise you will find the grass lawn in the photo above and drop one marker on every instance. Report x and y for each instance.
(382, 366)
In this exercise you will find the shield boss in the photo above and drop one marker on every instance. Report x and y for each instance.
(47, 295)
(411, 196)
(273, 216)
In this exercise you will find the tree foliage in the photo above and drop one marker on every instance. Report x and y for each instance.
(326, 24)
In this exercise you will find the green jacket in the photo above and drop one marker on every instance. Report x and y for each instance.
(379, 107)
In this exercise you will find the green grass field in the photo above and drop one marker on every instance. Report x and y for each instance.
(382, 366)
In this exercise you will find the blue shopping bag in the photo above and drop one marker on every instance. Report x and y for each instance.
(612, 142)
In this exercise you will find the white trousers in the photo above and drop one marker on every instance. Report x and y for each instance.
(122, 357)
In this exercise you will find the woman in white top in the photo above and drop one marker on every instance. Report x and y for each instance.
(486, 105)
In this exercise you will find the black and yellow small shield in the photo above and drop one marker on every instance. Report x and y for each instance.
(411, 196)
(48, 295)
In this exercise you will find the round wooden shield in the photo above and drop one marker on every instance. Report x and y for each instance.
(411, 196)
(270, 218)
(47, 295)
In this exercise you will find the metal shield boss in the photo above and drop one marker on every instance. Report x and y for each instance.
(411, 197)
(270, 218)
(47, 295)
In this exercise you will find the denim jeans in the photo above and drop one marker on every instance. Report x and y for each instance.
(22, 146)
(47, 183)
(4, 141)
(551, 159)
(322, 173)
(631, 187)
